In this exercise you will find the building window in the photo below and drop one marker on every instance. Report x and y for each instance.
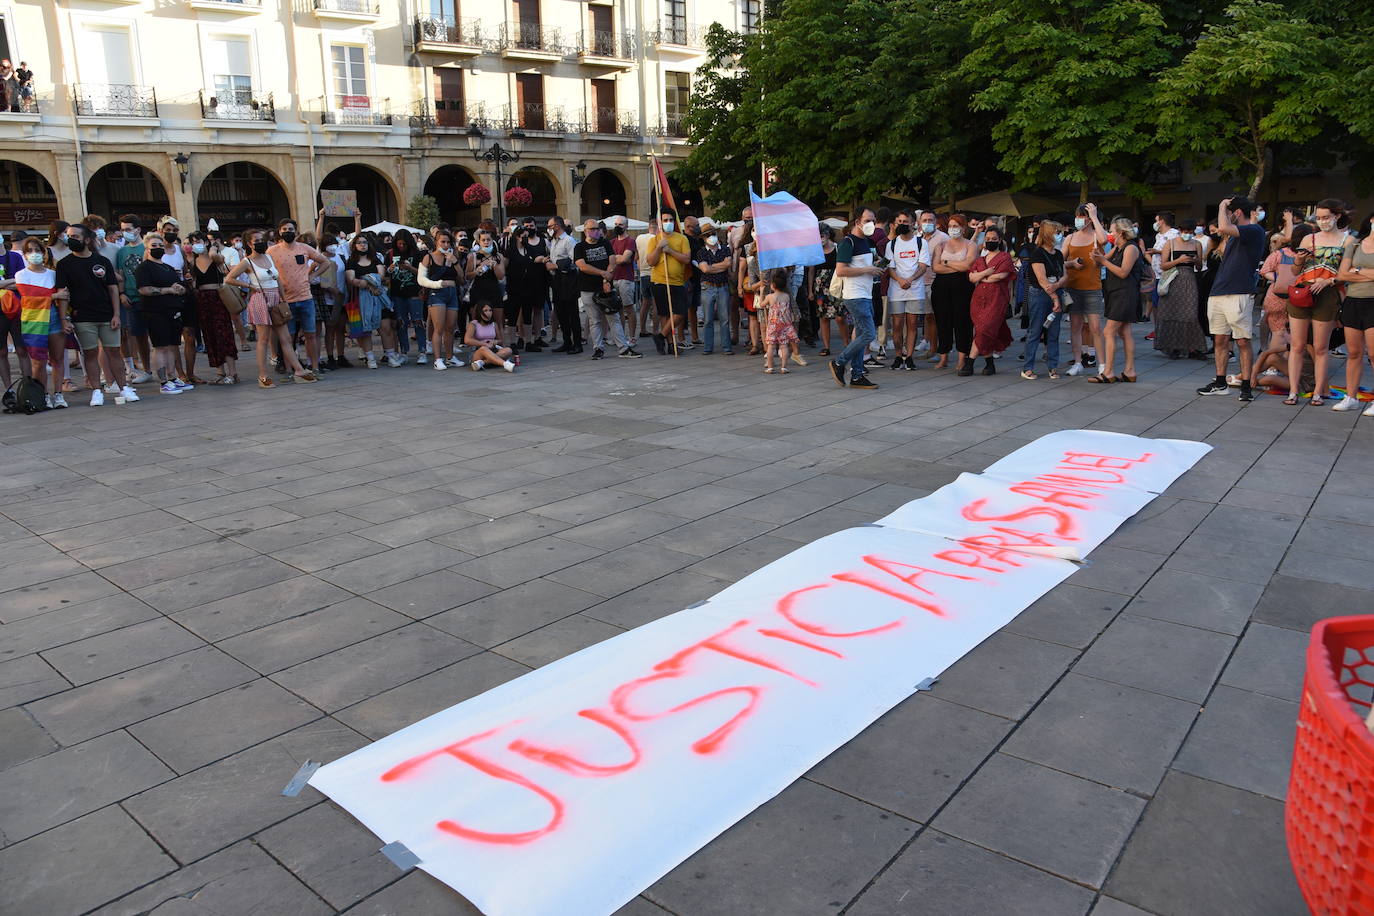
(350, 77)
(447, 10)
(749, 14)
(677, 88)
(448, 97)
(230, 73)
(675, 21)
(107, 55)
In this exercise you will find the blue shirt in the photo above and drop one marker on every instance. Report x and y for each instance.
(1239, 271)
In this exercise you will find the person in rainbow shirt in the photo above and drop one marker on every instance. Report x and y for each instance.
(42, 328)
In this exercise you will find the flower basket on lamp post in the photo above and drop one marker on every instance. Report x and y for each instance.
(519, 197)
(475, 195)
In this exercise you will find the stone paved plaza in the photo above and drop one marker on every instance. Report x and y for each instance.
(199, 593)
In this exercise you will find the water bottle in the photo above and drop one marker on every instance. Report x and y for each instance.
(1050, 320)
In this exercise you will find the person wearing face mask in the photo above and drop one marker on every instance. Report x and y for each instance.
(42, 324)
(161, 298)
(134, 335)
(86, 281)
(1121, 287)
(216, 329)
(854, 266)
(11, 261)
(1083, 281)
(952, 293)
(107, 244)
(670, 258)
(439, 273)
(908, 262)
(931, 234)
(1176, 328)
(715, 264)
(1042, 301)
(992, 276)
(1230, 306)
(486, 269)
(1318, 264)
(564, 278)
(57, 241)
(527, 285)
(297, 264)
(593, 257)
(624, 253)
(257, 275)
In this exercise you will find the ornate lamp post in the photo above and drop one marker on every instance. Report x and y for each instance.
(498, 156)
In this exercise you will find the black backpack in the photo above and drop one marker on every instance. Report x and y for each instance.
(25, 396)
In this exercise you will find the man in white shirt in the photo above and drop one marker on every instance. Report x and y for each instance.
(931, 235)
(643, 243)
(908, 258)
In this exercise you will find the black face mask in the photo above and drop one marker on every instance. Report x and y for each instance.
(903, 228)
(260, 247)
(156, 253)
(993, 245)
(619, 230)
(76, 244)
(288, 236)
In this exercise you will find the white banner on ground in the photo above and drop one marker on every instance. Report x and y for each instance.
(573, 788)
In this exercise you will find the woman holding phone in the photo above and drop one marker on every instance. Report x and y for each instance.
(1176, 329)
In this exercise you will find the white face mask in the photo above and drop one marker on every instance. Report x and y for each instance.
(1079, 222)
(955, 231)
(198, 248)
(867, 228)
(130, 235)
(1259, 216)
(331, 250)
(667, 225)
(100, 234)
(927, 228)
(35, 258)
(711, 241)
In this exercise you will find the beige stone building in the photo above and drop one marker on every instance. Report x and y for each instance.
(243, 110)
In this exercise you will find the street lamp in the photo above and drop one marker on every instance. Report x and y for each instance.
(579, 174)
(183, 161)
(498, 156)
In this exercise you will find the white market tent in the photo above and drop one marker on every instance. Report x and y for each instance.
(631, 224)
(834, 222)
(393, 228)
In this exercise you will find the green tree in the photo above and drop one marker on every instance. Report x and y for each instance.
(422, 212)
(725, 151)
(1253, 79)
(1070, 84)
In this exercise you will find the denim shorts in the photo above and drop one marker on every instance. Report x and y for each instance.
(445, 298)
(302, 317)
(130, 320)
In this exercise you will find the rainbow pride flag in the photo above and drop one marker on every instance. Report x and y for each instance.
(35, 319)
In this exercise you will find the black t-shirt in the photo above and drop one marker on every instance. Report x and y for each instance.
(1053, 261)
(88, 279)
(597, 254)
(403, 272)
(155, 273)
(1239, 270)
(23, 76)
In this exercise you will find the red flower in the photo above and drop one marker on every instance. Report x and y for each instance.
(519, 197)
(475, 195)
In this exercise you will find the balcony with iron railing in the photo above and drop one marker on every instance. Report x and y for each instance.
(348, 10)
(93, 100)
(597, 47)
(357, 111)
(226, 6)
(674, 127)
(459, 37)
(677, 35)
(618, 122)
(455, 114)
(241, 106)
(535, 41)
(22, 104)
(538, 116)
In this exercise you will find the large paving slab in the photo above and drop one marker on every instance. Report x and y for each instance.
(201, 593)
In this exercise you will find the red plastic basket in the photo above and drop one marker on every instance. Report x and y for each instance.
(1329, 815)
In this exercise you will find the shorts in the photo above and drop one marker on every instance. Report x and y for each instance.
(907, 306)
(190, 315)
(664, 296)
(164, 328)
(1357, 313)
(302, 317)
(131, 320)
(324, 307)
(93, 334)
(1086, 302)
(1232, 315)
(446, 298)
(1326, 305)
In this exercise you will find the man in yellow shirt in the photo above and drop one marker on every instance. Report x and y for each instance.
(669, 256)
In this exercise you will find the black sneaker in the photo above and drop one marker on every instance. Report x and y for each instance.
(575, 351)
(1089, 361)
(344, 363)
(862, 381)
(598, 353)
(630, 353)
(661, 344)
(897, 363)
(911, 364)
(872, 360)
(1246, 394)
(1215, 386)
(966, 369)
(837, 370)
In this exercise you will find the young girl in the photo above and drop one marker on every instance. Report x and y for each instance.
(42, 324)
(777, 305)
(481, 335)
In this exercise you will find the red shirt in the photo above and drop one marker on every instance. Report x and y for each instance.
(620, 245)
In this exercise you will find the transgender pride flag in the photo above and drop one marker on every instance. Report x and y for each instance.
(785, 231)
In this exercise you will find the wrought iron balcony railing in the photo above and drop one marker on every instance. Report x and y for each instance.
(465, 32)
(677, 32)
(372, 116)
(237, 106)
(622, 122)
(115, 101)
(533, 36)
(22, 104)
(674, 126)
(614, 45)
(455, 114)
(359, 7)
(539, 116)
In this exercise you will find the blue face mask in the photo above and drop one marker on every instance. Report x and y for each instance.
(1058, 237)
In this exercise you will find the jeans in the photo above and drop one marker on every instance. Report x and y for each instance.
(1041, 305)
(445, 297)
(302, 317)
(715, 303)
(598, 320)
(410, 312)
(861, 313)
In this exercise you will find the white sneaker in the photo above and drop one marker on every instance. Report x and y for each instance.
(129, 394)
(455, 363)
(183, 386)
(440, 365)
(478, 365)
(1368, 411)
(420, 360)
(923, 346)
(394, 361)
(111, 388)
(371, 361)
(59, 402)
(1075, 369)
(1339, 352)
(1346, 403)
(508, 366)
(141, 378)
(1270, 372)
(47, 402)
(169, 388)
(97, 398)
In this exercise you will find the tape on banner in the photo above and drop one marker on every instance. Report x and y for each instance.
(400, 855)
(293, 788)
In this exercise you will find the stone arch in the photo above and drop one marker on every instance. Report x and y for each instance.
(379, 197)
(122, 186)
(543, 184)
(31, 200)
(446, 185)
(605, 192)
(241, 194)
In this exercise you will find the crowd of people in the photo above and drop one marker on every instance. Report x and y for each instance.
(127, 305)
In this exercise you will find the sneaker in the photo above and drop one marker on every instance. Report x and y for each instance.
(1215, 386)
(1246, 393)
(911, 363)
(1268, 372)
(508, 365)
(797, 359)
(923, 346)
(897, 362)
(111, 388)
(440, 365)
(420, 360)
(1077, 368)
(1089, 361)
(97, 398)
(837, 370)
(1339, 352)
(1346, 403)
(169, 388)
(343, 363)
(129, 394)
(47, 402)
(630, 353)
(477, 365)
(141, 378)
(371, 361)
(863, 381)
(182, 385)
(59, 402)
(686, 345)
(1368, 411)
(395, 361)
(872, 361)
(454, 362)
(598, 353)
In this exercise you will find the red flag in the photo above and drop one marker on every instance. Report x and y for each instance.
(665, 192)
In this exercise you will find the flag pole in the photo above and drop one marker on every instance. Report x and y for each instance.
(658, 211)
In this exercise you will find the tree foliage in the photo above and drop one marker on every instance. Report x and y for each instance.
(422, 211)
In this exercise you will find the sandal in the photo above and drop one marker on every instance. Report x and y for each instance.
(265, 382)
(1291, 400)
(305, 377)
(825, 352)
(1029, 375)
(1317, 400)
(1053, 373)
(1100, 379)
(1125, 378)
(222, 380)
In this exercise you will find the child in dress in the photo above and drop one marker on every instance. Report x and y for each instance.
(782, 332)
